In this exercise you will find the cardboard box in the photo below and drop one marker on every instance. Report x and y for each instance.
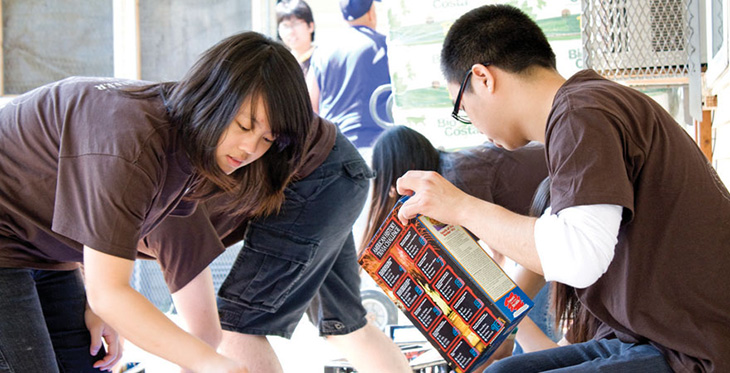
(447, 285)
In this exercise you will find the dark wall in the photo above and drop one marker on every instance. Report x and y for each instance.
(174, 33)
(44, 41)
(48, 40)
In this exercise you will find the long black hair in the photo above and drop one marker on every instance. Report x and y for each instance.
(396, 151)
(243, 67)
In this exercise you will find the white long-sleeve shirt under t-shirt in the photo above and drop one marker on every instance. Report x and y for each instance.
(576, 245)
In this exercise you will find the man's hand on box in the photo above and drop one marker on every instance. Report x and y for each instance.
(432, 196)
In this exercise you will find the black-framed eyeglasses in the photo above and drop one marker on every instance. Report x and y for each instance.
(458, 113)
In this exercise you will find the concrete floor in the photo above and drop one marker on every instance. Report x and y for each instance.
(306, 352)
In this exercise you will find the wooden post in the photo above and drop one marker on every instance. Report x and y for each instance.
(703, 133)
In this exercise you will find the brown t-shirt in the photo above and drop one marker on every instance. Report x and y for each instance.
(506, 178)
(83, 164)
(184, 246)
(667, 283)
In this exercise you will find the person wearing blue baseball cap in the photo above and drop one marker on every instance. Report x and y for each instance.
(346, 70)
(354, 9)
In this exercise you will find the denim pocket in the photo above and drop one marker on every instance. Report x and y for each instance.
(358, 169)
(268, 266)
(308, 188)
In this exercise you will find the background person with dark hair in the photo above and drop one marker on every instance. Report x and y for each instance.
(295, 24)
(508, 179)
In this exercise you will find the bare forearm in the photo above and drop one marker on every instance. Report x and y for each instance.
(531, 338)
(196, 304)
(135, 318)
(530, 282)
(508, 233)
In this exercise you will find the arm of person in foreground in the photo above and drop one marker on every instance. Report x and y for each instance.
(195, 303)
(112, 298)
(502, 230)
(574, 246)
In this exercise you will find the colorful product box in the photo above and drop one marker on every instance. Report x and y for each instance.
(447, 285)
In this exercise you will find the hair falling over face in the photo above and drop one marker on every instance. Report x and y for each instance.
(245, 66)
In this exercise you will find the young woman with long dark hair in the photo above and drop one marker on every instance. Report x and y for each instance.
(91, 165)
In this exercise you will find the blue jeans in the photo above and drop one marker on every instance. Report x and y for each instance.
(606, 355)
(304, 253)
(42, 327)
(541, 315)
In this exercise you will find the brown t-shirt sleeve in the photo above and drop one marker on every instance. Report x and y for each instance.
(585, 158)
(517, 177)
(101, 202)
(183, 246)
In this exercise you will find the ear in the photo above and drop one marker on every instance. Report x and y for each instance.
(392, 193)
(484, 77)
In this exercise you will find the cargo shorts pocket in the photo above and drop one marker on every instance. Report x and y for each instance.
(307, 189)
(358, 170)
(270, 263)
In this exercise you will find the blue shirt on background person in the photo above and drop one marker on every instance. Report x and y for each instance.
(345, 72)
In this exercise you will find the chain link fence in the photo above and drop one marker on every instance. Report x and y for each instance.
(637, 39)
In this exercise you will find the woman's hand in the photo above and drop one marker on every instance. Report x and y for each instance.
(98, 330)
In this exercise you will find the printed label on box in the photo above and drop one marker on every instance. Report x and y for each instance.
(391, 271)
(467, 305)
(408, 292)
(445, 333)
(487, 326)
(389, 235)
(412, 243)
(426, 312)
(430, 264)
(463, 354)
(448, 284)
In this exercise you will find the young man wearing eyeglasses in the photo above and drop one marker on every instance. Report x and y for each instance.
(639, 224)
